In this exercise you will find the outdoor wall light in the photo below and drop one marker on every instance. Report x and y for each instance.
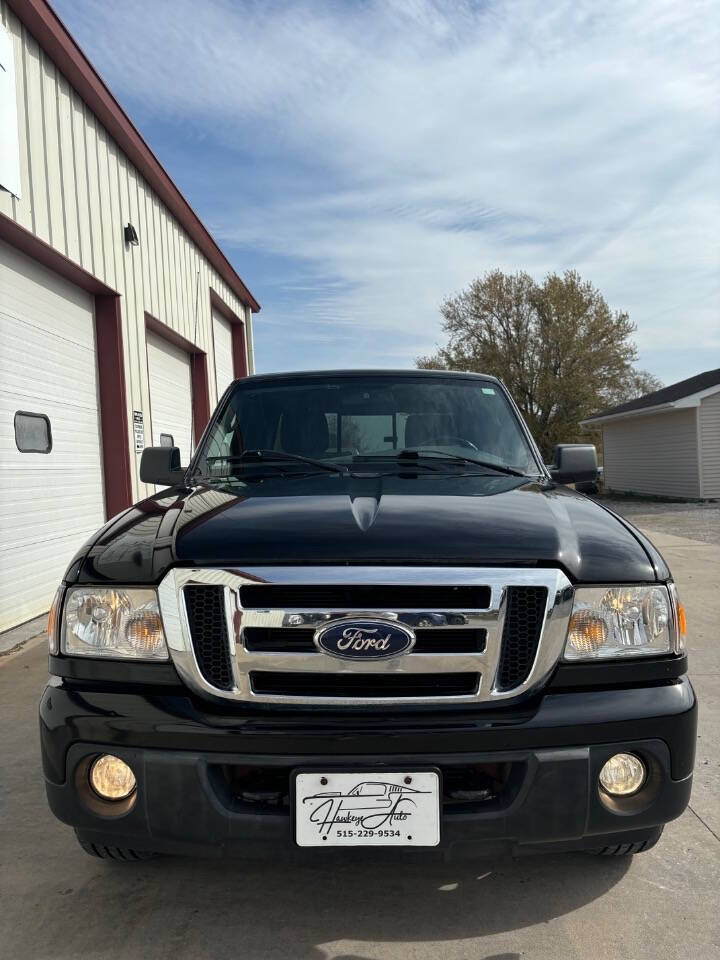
(131, 236)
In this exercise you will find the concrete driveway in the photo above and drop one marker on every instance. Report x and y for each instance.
(56, 902)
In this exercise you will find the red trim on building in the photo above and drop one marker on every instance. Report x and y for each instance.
(172, 336)
(200, 394)
(198, 373)
(54, 38)
(113, 404)
(32, 246)
(239, 347)
(239, 342)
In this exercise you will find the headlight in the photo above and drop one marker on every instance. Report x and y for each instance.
(609, 622)
(120, 623)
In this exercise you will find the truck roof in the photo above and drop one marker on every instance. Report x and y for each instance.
(431, 374)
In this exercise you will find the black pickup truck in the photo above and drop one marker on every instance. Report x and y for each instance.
(367, 614)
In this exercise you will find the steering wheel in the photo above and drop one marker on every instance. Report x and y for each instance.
(454, 442)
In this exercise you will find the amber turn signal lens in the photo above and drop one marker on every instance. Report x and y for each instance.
(682, 622)
(53, 624)
(145, 632)
(587, 632)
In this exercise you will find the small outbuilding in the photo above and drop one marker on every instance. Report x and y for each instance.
(665, 443)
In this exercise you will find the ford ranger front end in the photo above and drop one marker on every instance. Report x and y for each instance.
(367, 615)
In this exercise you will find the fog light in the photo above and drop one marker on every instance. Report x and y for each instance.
(622, 775)
(111, 778)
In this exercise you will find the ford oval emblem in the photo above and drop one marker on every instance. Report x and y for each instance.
(364, 639)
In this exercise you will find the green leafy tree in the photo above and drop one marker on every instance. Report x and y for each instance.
(558, 347)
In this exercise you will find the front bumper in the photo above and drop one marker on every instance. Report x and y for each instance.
(184, 752)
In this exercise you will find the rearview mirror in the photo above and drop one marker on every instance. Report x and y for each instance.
(161, 465)
(575, 463)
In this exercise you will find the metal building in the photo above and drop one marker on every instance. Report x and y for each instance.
(666, 443)
(121, 321)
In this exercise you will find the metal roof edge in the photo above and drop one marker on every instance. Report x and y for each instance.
(684, 403)
(56, 40)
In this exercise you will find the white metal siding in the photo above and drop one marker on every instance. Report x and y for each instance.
(51, 503)
(78, 190)
(249, 346)
(655, 454)
(224, 373)
(170, 393)
(709, 423)
(9, 139)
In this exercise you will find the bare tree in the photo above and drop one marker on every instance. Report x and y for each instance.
(558, 347)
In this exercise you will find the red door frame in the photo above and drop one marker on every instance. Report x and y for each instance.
(239, 342)
(198, 373)
(112, 394)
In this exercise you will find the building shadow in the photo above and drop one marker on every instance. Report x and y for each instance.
(285, 908)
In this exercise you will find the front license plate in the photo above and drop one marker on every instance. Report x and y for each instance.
(373, 808)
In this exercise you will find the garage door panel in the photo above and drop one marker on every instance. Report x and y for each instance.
(67, 413)
(46, 507)
(51, 321)
(70, 427)
(54, 475)
(170, 393)
(36, 364)
(36, 485)
(224, 369)
(44, 299)
(33, 599)
(17, 389)
(51, 503)
(26, 539)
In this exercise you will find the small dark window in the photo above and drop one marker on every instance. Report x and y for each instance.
(167, 440)
(32, 432)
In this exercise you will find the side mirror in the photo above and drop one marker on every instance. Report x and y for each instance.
(161, 465)
(575, 463)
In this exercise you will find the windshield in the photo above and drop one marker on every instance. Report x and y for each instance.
(347, 419)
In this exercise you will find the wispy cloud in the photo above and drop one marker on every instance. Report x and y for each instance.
(361, 161)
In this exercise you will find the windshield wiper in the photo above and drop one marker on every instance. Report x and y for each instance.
(369, 458)
(458, 458)
(277, 456)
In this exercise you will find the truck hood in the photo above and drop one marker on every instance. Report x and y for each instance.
(439, 519)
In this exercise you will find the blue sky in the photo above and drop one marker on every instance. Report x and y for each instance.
(359, 161)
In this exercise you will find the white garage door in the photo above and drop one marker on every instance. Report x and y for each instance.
(222, 335)
(170, 395)
(51, 502)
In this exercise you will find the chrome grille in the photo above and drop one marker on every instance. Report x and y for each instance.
(300, 640)
(363, 596)
(521, 633)
(374, 686)
(503, 645)
(205, 605)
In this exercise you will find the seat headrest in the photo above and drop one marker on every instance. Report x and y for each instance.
(422, 429)
(305, 433)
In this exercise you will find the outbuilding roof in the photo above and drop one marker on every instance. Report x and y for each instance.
(686, 393)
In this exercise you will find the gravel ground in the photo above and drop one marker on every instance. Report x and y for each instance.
(696, 521)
